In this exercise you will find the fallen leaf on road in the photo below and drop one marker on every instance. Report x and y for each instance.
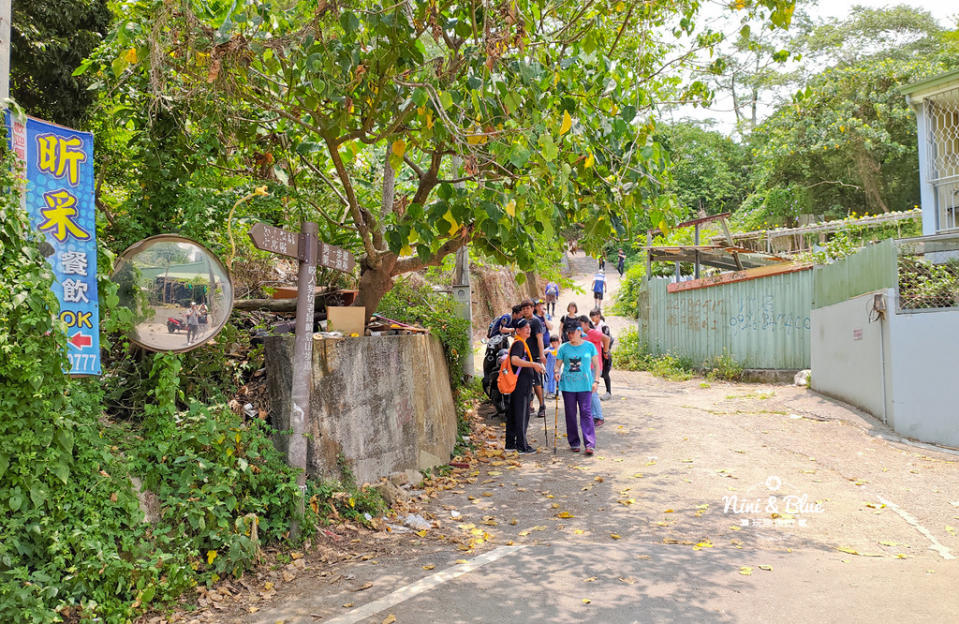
(888, 543)
(638, 475)
(628, 580)
(564, 514)
(615, 536)
(421, 533)
(703, 544)
(735, 527)
(950, 530)
(347, 605)
(651, 462)
(429, 566)
(389, 619)
(586, 601)
(578, 531)
(745, 571)
(363, 587)
(598, 479)
(461, 561)
(767, 568)
(900, 556)
(589, 580)
(555, 506)
(848, 551)
(669, 511)
(627, 502)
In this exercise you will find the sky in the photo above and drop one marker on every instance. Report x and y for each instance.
(946, 13)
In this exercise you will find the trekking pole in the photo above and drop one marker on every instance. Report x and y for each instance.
(555, 418)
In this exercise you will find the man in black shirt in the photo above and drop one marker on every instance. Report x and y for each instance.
(538, 349)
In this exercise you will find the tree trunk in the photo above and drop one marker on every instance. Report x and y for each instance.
(374, 283)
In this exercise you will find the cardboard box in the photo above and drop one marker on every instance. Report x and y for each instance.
(346, 319)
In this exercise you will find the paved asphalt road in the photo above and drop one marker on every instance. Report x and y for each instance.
(705, 502)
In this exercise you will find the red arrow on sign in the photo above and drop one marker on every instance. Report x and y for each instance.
(80, 340)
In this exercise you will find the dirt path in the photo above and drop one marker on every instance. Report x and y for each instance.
(717, 502)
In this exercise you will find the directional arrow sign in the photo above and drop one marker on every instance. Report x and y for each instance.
(277, 240)
(336, 258)
(81, 340)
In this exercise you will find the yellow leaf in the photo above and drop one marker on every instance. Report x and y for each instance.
(131, 56)
(406, 251)
(847, 550)
(429, 566)
(589, 161)
(586, 601)
(210, 556)
(615, 536)
(745, 570)
(567, 123)
(399, 148)
(461, 561)
(767, 568)
(476, 139)
(703, 544)
(564, 514)
(578, 531)
(510, 207)
(421, 533)
(389, 619)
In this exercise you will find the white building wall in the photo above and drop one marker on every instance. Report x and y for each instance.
(846, 354)
(925, 375)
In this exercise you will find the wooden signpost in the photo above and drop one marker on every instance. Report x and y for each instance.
(310, 252)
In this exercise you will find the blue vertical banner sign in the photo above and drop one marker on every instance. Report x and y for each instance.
(59, 198)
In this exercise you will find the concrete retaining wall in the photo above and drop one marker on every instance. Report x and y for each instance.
(910, 359)
(846, 354)
(922, 375)
(380, 404)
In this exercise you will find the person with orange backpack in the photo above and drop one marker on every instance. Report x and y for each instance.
(516, 379)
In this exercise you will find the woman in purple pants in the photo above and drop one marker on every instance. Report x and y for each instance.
(577, 370)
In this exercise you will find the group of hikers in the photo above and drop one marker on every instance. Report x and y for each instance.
(569, 359)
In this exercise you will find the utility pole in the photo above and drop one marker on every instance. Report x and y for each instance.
(461, 289)
(6, 17)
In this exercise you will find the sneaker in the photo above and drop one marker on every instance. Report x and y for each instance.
(606, 397)
(527, 450)
(542, 412)
(589, 450)
(575, 449)
(550, 395)
(598, 422)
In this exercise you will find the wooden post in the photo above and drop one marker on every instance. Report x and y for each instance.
(302, 362)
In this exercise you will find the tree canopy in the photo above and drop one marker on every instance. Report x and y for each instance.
(418, 126)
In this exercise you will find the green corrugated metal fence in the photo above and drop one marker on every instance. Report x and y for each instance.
(761, 323)
(871, 268)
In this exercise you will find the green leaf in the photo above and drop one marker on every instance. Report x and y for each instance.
(4, 463)
(62, 471)
(349, 22)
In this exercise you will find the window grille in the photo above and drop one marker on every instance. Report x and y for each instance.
(942, 113)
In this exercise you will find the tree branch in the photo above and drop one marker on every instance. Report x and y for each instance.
(362, 226)
(414, 263)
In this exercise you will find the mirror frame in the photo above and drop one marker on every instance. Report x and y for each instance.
(137, 247)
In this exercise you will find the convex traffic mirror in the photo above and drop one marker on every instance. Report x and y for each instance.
(180, 294)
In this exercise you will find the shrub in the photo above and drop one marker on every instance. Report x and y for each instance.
(630, 354)
(435, 311)
(723, 367)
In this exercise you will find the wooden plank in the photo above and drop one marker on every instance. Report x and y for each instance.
(698, 221)
(738, 276)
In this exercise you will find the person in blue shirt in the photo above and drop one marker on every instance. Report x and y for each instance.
(577, 369)
(599, 287)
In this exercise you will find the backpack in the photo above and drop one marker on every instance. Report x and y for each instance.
(495, 325)
(552, 289)
(506, 382)
(611, 339)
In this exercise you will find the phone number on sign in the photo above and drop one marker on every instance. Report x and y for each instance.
(80, 364)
